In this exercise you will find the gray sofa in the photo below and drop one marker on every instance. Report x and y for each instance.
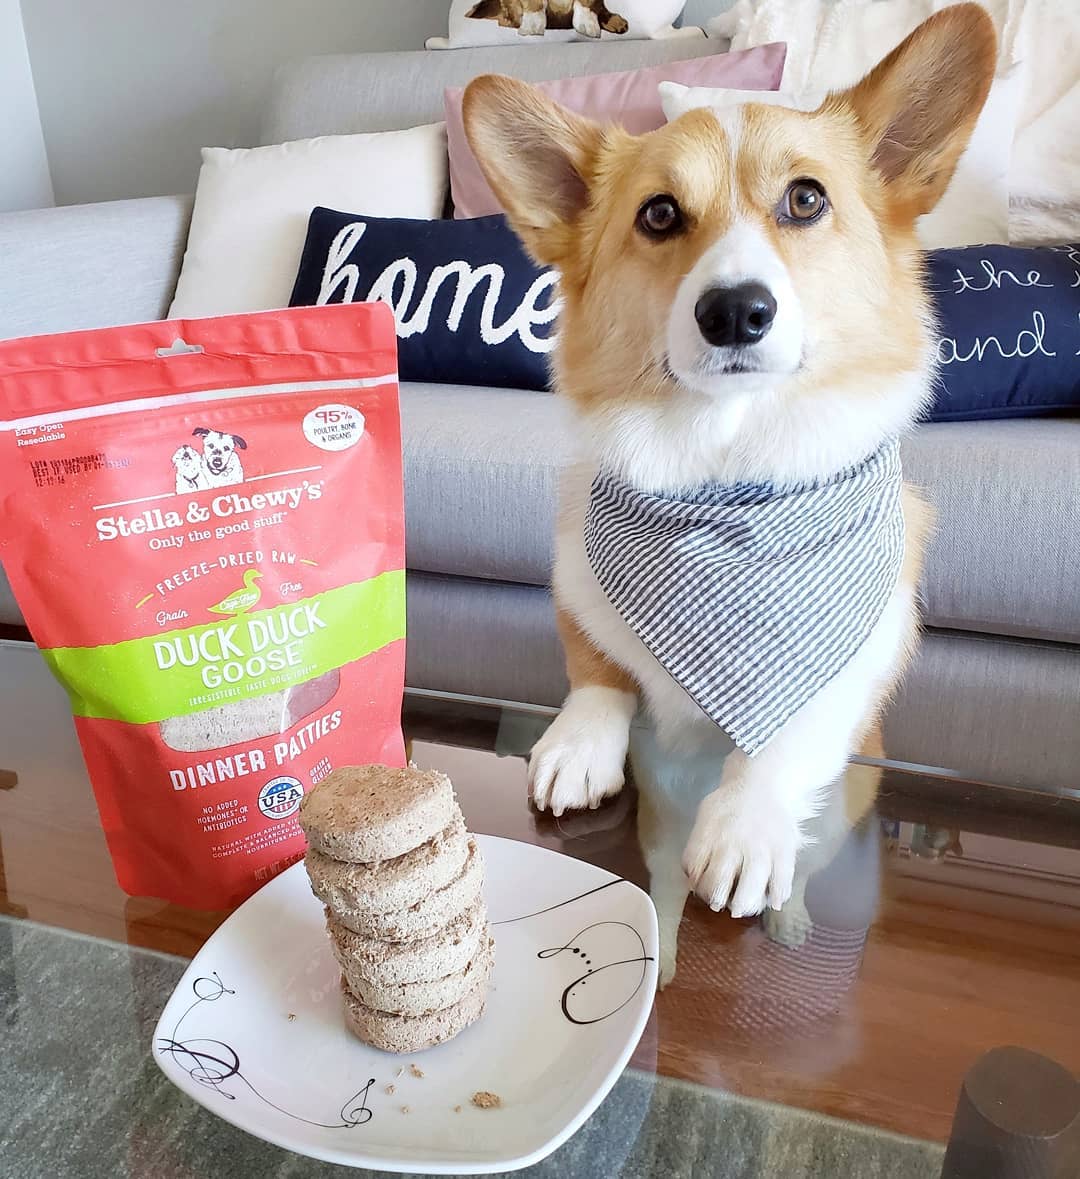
(995, 690)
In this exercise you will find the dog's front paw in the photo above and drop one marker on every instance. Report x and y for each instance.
(586, 22)
(533, 24)
(790, 926)
(581, 759)
(741, 854)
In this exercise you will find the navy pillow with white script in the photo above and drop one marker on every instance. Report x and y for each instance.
(1008, 331)
(470, 306)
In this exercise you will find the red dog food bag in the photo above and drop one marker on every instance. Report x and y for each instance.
(203, 525)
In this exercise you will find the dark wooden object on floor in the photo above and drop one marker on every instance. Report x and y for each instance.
(1018, 1117)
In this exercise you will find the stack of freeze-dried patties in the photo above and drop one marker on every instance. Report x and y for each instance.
(402, 881)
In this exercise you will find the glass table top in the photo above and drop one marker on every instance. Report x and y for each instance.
(935, 919)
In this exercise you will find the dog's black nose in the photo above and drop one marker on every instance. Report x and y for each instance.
(735, 315)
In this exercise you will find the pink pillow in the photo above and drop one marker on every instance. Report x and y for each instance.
(630, 98)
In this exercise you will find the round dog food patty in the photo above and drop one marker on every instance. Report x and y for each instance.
(365, 814)
(421, 998)
(446, 952)
(427, 916)
(394, 884)
(404, 1033)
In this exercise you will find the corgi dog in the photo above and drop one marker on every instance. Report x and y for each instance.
(742, 306)
(533, 18)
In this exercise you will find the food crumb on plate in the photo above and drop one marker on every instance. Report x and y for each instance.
(482, 1099)
(389, 1090)
(416, 1072)
(405, 1109)
(457, 1109)
(400, 1071)
(292, 1016)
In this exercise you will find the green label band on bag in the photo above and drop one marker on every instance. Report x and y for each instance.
(186, 671)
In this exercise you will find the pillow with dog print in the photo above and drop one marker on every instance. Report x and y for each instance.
(470, 306)
(1008, 331)
(517, 22)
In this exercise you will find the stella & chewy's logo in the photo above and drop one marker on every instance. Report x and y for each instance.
(280, 797)
(208, 461)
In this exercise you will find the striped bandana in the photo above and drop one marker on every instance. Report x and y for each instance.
(752, 597)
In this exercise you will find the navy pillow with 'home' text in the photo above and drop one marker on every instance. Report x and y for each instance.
(470, 306)
(1008, 331)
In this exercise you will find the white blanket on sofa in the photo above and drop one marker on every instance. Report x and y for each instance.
(833, 43)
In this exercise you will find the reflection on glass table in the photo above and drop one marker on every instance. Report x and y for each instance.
(933, 920)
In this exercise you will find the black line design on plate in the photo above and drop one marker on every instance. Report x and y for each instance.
(212, 1063)
(561, 904)
(569, 993)
(592, 972)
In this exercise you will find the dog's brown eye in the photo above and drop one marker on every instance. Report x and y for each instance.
(805, 200)
(660, 216)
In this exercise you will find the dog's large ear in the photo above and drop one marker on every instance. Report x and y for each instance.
(199, 432)
(918, 107)
(537, 157)
(238, 442)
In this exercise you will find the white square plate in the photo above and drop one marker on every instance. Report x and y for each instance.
(254, 1029)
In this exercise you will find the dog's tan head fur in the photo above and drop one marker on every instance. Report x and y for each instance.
(642, 229)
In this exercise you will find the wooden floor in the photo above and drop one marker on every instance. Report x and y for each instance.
(880, 1028)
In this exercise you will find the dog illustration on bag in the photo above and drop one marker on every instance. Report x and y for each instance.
(190, 472)
(220, 460)
(217, 466)
(533, 18)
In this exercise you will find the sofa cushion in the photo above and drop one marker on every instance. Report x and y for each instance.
(340, 94)
(90, 266)
(481, 469)
(1007, 549)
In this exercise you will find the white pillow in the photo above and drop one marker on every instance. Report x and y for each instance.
(834, 43)
(1044, 179)
(480, 22)
(252, 207)
(975, 207)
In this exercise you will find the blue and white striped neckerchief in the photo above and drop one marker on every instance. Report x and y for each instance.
(752, 597)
